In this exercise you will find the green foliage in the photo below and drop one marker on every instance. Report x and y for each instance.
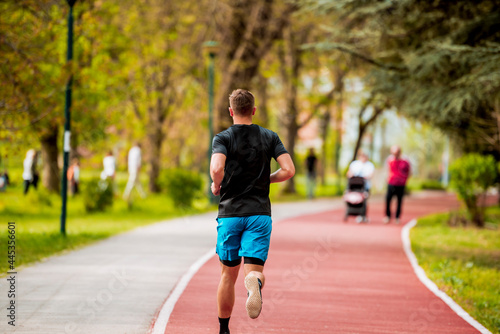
(97, 195)
(436, 61)
(471, 176)
(182, 186)
(431, 185)
(37, 224)
(463, 262)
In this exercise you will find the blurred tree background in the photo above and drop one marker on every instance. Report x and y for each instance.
(327, 67)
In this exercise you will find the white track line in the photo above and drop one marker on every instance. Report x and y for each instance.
(405, 236)
(166, 310)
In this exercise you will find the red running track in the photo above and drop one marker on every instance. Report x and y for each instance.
(326, 276)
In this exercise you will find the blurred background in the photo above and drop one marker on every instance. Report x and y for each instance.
(335, 76)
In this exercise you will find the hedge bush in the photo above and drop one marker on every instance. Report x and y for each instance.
(182, 186)
(97, 195)
(471, 176)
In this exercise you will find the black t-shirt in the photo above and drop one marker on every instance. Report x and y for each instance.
(311, 163)
(245, 187)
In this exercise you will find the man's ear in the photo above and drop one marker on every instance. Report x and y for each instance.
(253, 111)
(231, 112)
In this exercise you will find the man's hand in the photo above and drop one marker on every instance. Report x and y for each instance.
(215, 190)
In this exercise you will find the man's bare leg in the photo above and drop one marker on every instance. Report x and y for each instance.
(225, 292)
(254, 282)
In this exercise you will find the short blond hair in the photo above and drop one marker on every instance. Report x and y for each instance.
(242, 102)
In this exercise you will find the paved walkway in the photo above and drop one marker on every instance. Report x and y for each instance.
(326, 276)
(117, 285)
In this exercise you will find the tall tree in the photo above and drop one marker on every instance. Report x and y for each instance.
(30, 98)
(437, 61)
(160, 68)
(246, 34)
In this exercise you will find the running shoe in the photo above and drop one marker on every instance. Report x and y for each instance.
(254, 300)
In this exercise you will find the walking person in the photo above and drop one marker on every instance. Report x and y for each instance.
(311, 164)
(399, 171)
(134, 167)
(74, 176)
(241, 173)
(109, 165)
(30, 172)
(362, 167)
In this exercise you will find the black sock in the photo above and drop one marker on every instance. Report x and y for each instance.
(224, 325)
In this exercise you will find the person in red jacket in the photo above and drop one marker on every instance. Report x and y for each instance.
(399, 172)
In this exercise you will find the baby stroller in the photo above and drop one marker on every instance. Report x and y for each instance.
(355, 198)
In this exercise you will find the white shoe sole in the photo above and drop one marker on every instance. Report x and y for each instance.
(254, 300)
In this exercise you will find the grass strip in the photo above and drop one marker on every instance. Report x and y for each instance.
(464, 262)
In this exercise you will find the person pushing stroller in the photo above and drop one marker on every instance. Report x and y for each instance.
(361, 168)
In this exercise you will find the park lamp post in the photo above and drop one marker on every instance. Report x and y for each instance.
(211, 47)
(67, 125)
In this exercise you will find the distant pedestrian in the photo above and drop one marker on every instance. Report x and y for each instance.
(109, 164)
(74, 176)
(399, 171)
(30, 172)
(134, 167)
(311, 164)
(4, 180)
(362, 167)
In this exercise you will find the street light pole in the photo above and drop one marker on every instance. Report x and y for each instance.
(67, 123)
(211, 47)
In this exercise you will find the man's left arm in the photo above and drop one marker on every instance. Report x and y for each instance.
(217, 165)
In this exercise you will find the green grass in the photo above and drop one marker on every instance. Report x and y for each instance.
(37, 216)
(463, 262)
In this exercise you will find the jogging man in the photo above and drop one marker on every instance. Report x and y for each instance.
(241, 174)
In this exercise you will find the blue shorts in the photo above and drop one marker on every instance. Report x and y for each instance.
(243, 236)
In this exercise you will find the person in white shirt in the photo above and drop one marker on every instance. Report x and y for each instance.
(134, 166)
(363, 168)
(30, 174)
(109, 164)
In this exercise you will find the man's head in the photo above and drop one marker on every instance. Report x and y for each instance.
(363, 156)
(396, 151)
(242, 103)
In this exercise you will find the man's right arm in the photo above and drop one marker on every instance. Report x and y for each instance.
(286, 171)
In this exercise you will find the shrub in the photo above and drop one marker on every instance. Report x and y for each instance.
(431, 185)
(471, 176)
(97, 195)
(182, 186)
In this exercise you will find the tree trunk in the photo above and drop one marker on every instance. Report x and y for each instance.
(324, 130)
(155, 138)
(262, 112)
(50, 152)
(291, 58)
(361, 133)
(291, 132)
(363, 126)
(338, 132)
(251, 31)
